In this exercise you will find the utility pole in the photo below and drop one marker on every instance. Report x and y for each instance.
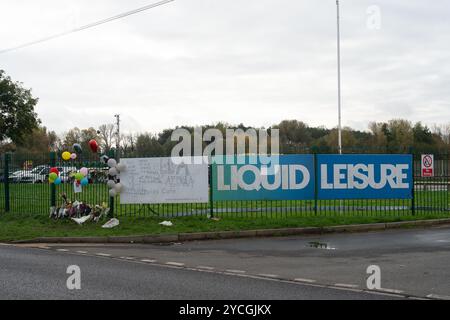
(117, 137)
(339, 78)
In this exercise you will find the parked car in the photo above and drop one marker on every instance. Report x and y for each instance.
(40, 174)
(15, 176)
(37, 175)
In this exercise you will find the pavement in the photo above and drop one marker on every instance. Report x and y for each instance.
(414, 264)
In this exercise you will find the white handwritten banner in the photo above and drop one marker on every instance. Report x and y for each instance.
(164, 180)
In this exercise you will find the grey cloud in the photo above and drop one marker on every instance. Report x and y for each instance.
(255, 61)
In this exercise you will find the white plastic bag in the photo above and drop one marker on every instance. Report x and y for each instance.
(111, 224)
(166, 223)
(82, 220)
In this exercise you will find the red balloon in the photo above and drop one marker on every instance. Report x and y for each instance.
(93, 145)
(55, 170)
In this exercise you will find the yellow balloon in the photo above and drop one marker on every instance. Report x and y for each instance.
(66, 156)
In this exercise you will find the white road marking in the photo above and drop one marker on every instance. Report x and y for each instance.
(391, 291)
(103, 254)
(385, 294)
(346, 285)
(304, 280)
(205, 268)
(82, 252)
(418, 298)
(148, 261)
(437, 296)
(62, 250)
(267, 275)
(235, 271)
(177, 264)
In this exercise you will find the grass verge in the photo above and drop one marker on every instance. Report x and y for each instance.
(25, 227)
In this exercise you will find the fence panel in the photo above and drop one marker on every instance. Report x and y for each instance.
(432, 194)
(2, 183)
(28, 187)
(30, 192)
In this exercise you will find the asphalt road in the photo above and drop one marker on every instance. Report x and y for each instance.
(27, 273)
(413, 263)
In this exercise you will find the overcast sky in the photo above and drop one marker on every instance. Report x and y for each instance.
(254, 61)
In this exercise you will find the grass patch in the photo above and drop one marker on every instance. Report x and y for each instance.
(24, 227)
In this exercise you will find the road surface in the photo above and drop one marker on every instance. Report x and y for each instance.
(38, 274)
(414, 264)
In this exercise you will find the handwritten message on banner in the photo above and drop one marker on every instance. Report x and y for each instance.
(163, 180)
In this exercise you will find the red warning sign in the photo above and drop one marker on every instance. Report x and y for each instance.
(427, 165)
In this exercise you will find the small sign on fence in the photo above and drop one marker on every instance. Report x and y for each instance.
(427, 165)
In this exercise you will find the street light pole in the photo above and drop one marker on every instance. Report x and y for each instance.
(339, 78)
(117, 136)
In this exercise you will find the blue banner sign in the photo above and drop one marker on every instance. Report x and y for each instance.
(289, 177)
(294, 177)
(365, 176)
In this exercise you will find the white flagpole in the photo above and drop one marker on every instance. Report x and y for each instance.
(339, 78)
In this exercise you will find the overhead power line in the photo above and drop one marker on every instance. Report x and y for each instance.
(87, 26)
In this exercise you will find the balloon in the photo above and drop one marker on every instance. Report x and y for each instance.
(66, 156)
(79, 176)
(58, 181)
(112, 193)
(110, 184)
(93, 145)
(104, 158)
(118, 187)
(54, 170)
(73, 156)
(112, 163)
(53, 176)
(51, 180)
(84, 171)
(121, 167)
(77, 148)
(112, 172)
(84, 182)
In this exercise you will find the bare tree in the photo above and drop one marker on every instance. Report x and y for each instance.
(128, 143)
(443, 131)
(107, 136)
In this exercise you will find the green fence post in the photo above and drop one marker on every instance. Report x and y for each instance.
(413, 187)
(52, 185)
(111, 207)
(6, 181)
(413, 195)
(316, 184)
(211, 199)
(111, 154)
